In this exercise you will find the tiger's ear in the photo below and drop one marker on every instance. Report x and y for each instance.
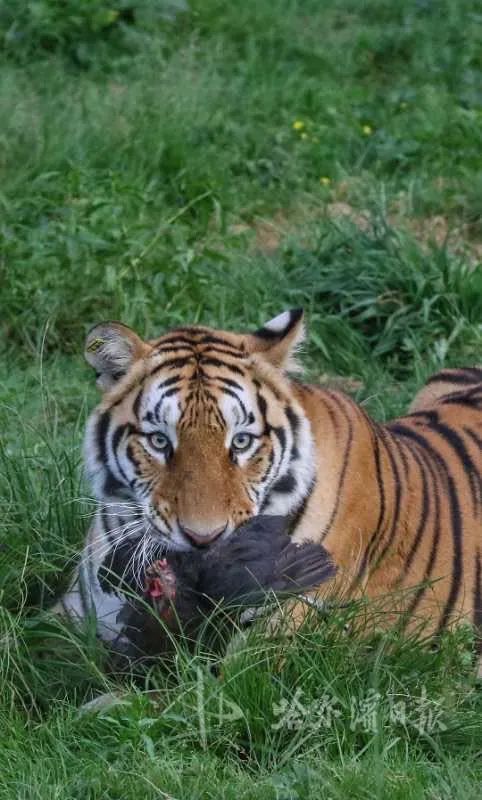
(279, 339)
(111, 348)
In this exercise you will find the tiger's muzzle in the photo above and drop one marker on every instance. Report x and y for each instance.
(203, 536)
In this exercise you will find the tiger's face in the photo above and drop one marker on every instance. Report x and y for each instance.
(198, 430)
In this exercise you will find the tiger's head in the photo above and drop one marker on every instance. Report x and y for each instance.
(199, 429)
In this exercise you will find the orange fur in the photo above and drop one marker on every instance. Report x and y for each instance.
(400, 504)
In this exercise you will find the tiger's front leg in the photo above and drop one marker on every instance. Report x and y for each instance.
(91, 598)
(290, 617)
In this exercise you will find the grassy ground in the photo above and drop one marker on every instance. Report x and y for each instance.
(219, 162)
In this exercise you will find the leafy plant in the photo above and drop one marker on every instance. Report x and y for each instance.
(80, 29)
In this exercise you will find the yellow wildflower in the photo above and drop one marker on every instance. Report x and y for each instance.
(298, 125)
(367, 130)
(325, 181)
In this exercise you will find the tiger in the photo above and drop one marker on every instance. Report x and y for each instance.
(201, 429)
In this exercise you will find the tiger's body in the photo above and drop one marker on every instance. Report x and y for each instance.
(202, 429)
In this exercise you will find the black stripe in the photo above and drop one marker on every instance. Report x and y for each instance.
(346, 456)
(219, 416)
(175, 363)
(295, 423)
(293, 419)
(210, 339)
(137, 402)
(263, 408)
(280, 434)
(381, 514)
(423, 518)
(388, 443)
(174, 338)
(457, 444)
(265, 479)
(296, 517)
(116, 438)
(222, 348)
(223, 352)
(173, 348)
(216, 362)
(468, 400)
(169, 364)
(225, 390)
(111, 484)
(227, 382)
(101, 430)
(169, 381)
(436, 534)
(472, 435)
(455, 516)
(128, 389)
(284, 485)
(429, 416)
(456, 519)
(306, 387)
(193, 396)
(131, 456)
(333, 418)
(168, 393)
(466, 376)
(267, 429)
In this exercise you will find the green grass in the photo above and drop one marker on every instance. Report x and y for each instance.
(150, 172)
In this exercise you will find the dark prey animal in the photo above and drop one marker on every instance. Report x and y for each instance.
(180, 590)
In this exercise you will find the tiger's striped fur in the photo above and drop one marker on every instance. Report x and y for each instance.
(201, 429)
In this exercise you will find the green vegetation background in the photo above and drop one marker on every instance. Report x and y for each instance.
(164, 162)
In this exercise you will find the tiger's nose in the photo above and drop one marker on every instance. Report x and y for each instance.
(203, 537)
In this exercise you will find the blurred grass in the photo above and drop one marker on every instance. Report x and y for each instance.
(151, 170)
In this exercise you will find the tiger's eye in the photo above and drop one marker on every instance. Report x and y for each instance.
(241, 442)
(159, 441)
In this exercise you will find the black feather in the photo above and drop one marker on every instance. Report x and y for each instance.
(260, 557)
(239, 571)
